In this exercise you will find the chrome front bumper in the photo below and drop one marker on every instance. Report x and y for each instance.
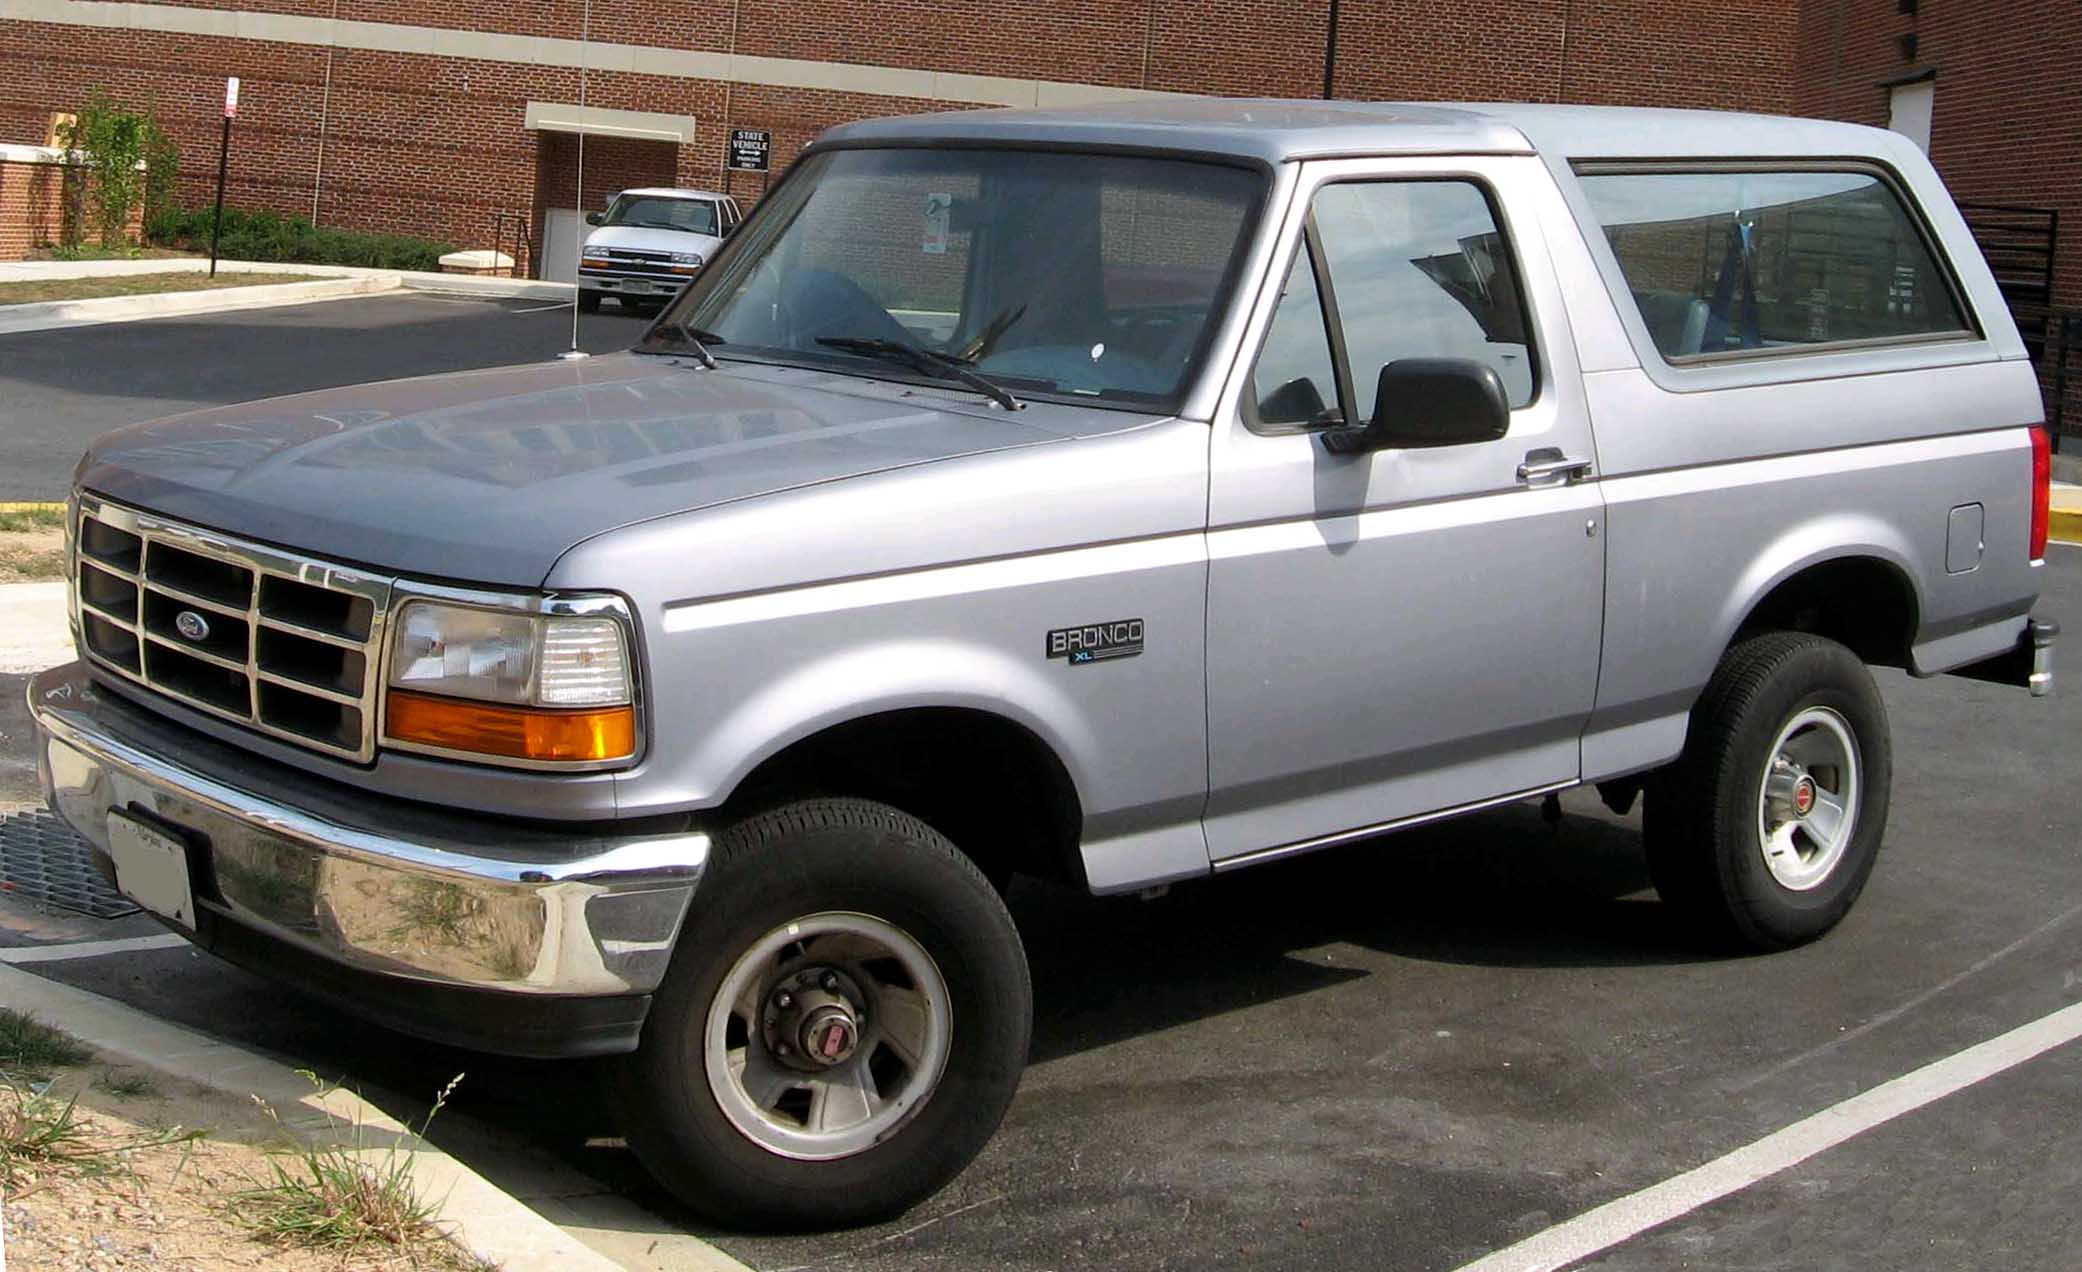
(396, 889)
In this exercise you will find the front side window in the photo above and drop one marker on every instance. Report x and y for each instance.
(657, 212)
(1416, 269)
(1755, 261)
(1295, 382)
(1091, 277)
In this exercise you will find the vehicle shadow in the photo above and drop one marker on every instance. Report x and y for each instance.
(1501, 888)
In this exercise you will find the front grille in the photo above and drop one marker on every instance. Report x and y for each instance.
(280, 643)
(631, 263)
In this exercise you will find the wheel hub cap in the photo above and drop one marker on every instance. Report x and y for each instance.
(1803, 796)
(826, 1035)
(1808, 808)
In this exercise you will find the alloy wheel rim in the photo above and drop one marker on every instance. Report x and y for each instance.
(827, 1035)
(1807, 810)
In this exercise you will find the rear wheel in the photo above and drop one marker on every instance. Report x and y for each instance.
(842, 1028)
(1766, 829)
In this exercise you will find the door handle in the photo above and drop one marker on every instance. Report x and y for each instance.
(1548, 463)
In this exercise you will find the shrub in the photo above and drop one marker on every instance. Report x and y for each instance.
(270, 236)
(110, 144)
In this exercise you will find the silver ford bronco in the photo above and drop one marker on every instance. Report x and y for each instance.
(1117, 496)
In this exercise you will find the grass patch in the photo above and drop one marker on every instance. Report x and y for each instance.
(24, 517)
(35, 556)
(26, 293)
(38, 1129)
(43, 1136)
(341, 1195)
(30, 1048)
(128, 1083)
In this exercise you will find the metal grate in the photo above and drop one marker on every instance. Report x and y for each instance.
(280, 643)
(42, 859)
(2019, 244)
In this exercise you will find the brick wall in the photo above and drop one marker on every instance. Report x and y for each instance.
(434, 146)
(2007, 127)
(36, 189)
(32, 206)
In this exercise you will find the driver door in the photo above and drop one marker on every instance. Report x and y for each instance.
(1400, 632)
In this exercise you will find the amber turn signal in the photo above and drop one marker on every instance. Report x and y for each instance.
(518, 733)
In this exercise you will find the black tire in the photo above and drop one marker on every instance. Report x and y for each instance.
(588, 302)
(807, 858)
(1700, 825)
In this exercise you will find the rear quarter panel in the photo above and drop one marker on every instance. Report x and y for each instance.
(1723, 479)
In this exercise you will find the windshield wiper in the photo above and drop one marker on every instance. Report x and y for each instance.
(696, 340)
(941, 365)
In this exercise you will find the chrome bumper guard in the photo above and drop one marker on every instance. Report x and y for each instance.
(377, 885)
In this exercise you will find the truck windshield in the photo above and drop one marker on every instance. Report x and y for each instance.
(656, 212)
(1083, 277)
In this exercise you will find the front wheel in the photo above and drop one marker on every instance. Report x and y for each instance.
(843, 1026)
(588, 302)
(1766, 829)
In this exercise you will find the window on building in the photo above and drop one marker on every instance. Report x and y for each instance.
(1753, 261)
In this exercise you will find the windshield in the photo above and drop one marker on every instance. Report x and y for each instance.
(1085, 276)
(657, 212)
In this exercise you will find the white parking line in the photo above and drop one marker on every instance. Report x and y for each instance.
(1636, 1213)
(89, 949)
(538, 309)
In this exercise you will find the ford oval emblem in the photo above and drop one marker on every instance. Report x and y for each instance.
(192, 625)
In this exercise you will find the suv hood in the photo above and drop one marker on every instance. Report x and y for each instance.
(488, 477)
(644, 238)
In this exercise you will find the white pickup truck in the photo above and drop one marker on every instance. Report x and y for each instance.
(648, 242)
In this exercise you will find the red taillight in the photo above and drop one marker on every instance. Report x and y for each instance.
(2041, 491)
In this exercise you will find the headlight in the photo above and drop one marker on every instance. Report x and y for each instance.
(509, 684)
(686, 258)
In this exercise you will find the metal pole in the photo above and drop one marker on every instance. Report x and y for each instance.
(1330, 55)
(578, 247)
(217, 218)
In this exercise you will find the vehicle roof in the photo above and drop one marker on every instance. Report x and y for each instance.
(664, 192)
(1277, 131)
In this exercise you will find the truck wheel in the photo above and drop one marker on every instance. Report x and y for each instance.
(843, 1024)
(1767, 827)
(588, 302)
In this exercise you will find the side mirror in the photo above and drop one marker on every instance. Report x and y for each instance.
(595, 218)
(1429, 402)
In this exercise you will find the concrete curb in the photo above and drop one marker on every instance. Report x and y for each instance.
(54, 314)
(341, 281)
(478, 1216)
(2065, 520)
(469, 284)
(34, 630)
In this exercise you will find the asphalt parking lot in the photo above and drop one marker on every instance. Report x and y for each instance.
(1401, 1054)
(62, 388)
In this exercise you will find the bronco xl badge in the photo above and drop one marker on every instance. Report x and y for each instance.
(1121, 638)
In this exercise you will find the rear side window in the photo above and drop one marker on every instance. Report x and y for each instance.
(1745, 262)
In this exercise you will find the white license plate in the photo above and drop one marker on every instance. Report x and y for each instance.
(151, 868)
